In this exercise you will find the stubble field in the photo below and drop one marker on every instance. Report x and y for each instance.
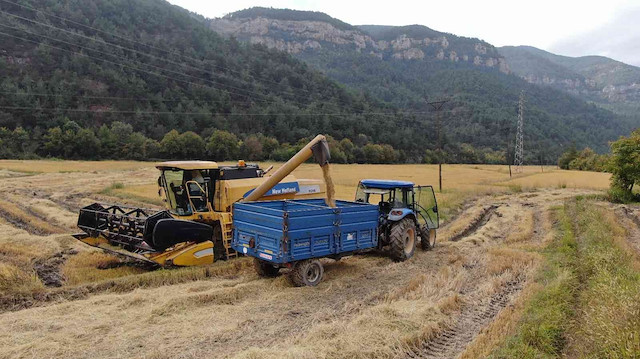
(469, 297)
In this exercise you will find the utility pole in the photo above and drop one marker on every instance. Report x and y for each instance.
(519, 155)
(507, 135)
(437, 107)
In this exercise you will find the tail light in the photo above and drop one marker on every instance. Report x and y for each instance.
(396, 213)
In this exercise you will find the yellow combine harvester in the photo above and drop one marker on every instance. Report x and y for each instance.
(196, 227)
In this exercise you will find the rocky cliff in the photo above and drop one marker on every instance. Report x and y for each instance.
(595, 78)
(300, 32)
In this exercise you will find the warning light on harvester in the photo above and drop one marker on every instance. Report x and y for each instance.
(241, 163)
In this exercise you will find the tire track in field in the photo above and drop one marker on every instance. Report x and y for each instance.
(472, 319)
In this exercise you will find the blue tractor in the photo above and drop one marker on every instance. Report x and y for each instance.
(408, 214)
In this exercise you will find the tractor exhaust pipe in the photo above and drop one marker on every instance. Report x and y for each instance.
(318, 148)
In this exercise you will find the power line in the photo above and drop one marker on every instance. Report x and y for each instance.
(136, 42)
(136, 68)
(138, 62)
(213, 83)
(207, 113)
(100, 97)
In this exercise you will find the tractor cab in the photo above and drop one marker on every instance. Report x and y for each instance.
(402, 201)
(189, 187)
(387, 194)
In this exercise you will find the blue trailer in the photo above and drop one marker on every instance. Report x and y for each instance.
(386, 215)
(295, 233)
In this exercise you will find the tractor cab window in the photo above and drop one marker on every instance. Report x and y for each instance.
(382, 197)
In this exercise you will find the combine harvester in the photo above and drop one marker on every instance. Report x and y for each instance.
(196, 227)
(217, 212)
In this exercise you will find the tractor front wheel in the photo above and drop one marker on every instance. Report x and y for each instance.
(427, 239)
(307, 272)
(265, 269)
(402, 240)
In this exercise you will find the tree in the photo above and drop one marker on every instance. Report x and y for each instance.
(251, 148)
(54, 142)
(192, 145)
(87, 144)
(625, 163)
(170, 144)
(108, 142)
(568, 156)
(222, 145)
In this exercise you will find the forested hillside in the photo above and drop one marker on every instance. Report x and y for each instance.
(146, 79)
(115, 78)
(405, 66)
(609, 83)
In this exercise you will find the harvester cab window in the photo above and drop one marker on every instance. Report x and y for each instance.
(196, 190)
(177, 192)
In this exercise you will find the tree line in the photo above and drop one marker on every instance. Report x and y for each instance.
(623, 163)
(120, 141)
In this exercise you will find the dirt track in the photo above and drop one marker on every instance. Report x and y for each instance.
(432, 306)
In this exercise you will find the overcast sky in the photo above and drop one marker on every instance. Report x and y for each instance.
(567, 27)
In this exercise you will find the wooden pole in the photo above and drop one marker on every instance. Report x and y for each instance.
(440, 176)
(437, 106)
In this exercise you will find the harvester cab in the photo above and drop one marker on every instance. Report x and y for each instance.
(196, 226)
(407, 212)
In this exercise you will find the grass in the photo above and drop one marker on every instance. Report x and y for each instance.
(587, 303)
(146, 193)
(608, 310)
(541, 329)
(23, 218)
(226, 309)
(52, 166)
(87, 267)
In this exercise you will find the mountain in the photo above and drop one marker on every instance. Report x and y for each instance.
(300, 31)
(609, 83)
(150, 67)
(143, 79)
(404, 65)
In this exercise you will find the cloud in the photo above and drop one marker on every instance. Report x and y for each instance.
(618, 39)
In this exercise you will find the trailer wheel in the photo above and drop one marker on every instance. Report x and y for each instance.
(265, 269)
(402, 240)
(428, 239)
(307, 272)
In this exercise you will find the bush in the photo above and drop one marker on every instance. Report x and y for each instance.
(620, 195)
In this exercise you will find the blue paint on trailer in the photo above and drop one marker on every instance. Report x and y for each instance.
(287, 231)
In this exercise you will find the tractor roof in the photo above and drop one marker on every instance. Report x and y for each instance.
(386, 184)
(188, 165)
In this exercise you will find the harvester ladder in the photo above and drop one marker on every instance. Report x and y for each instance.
(226, 222)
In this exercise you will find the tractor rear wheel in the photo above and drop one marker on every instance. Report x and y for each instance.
(265, 269)
(307, 272)
(402, 240)
(427, 239)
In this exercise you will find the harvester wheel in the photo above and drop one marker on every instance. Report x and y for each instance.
(428, 239)
(402, 240)
(265, 269)
(307, 272)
